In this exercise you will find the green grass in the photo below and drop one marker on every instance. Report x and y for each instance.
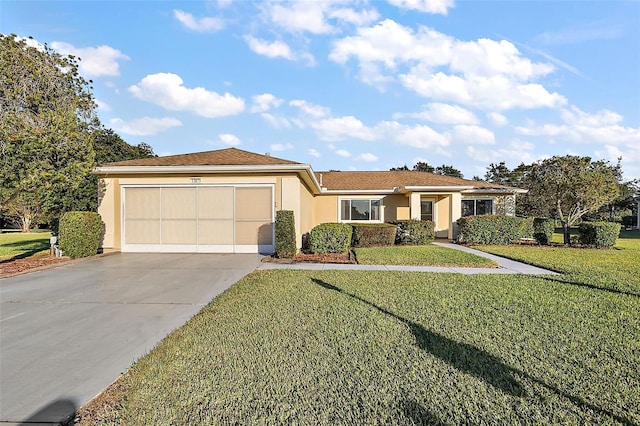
(427, 255)
(615, 269)
(363, 347)
(15, 245)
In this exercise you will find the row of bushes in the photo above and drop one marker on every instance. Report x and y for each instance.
(500, 229)
(339, 237)
(487, 229)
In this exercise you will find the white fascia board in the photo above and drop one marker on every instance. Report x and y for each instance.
(359, 192)
(496, 191)
(437, 188)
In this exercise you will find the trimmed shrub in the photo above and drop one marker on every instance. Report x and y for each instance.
(285, 234)
(599, 234)
(373, 234)
(79, 233)
(543, 228)
(331, 238)
(493, 229)
(414, 232)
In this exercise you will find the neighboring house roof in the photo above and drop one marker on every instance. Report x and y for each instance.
(399, 181)
(221, 157)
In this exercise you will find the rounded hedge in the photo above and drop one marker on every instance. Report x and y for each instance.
(414, 232)
(599, 234)
(493, 229)
(330, 238)
(79, 233)
(543, 229)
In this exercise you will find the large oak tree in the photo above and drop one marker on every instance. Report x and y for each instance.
(46, 115)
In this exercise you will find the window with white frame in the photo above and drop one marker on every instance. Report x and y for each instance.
(477, 207)
(360, 209)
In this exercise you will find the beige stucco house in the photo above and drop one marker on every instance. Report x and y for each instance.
(225, 200)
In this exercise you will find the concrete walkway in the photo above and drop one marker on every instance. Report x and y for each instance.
(505, 266)
(66, 333)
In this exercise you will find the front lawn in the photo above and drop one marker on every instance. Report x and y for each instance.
(427, 255)
(616, 269)
(363, 347)
(16, 245)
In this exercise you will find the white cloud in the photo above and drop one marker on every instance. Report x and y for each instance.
(204, 24)
(343, 153)
(444, 114)
(340, 128)
(473, 135)
(274, 49)
(574, 115)
(299, 17)
(496, 93)
(482, 73)
(264, 102)
(497, 119)
(102, 105)
(423, 137)
(168, 91)
(580, 127)
(275, 121)
(427, 6)
(314, 153)
(281, 146)
(367, 157)
(144, 126)
(516, 152)
(352, 16)
(309, 109)
(95, 61)
(229, 139)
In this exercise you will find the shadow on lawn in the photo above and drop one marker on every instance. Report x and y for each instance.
(30, 248)
(469, 359)
(464, 357)
(591, 286)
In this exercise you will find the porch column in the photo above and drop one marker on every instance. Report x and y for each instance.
(455, 212)
(414, 203)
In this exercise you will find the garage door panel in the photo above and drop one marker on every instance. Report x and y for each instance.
(215, 232)
(254, 203)
(215, 203)
(179, 231)
(254, 233)
(142, 231)
(179, 203)
(142, 203)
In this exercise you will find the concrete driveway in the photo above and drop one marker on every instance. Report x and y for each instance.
(67, 333)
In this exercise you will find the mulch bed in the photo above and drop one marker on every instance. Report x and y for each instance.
(18, 266)
(342, 258)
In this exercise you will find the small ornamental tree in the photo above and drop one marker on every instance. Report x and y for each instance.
(569, 187)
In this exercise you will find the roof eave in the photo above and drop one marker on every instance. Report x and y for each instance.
(453, 188)
(303, 169)
(496, 190)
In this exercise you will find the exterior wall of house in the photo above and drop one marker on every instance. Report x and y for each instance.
(443, 216)
(396, 207)
(307, 213)
(325, 209)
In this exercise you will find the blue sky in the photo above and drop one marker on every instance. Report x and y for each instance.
(358, 85)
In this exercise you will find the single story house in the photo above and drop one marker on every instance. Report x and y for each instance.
(225, 200)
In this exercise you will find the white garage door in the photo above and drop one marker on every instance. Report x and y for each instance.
(205, 219)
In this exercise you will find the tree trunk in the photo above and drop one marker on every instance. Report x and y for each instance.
(565, 231)
(25, 223)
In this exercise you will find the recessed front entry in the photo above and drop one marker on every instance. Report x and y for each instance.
(205, 219)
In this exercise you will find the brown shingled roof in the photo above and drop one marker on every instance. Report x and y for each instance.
(387, 180)
(221, 157)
